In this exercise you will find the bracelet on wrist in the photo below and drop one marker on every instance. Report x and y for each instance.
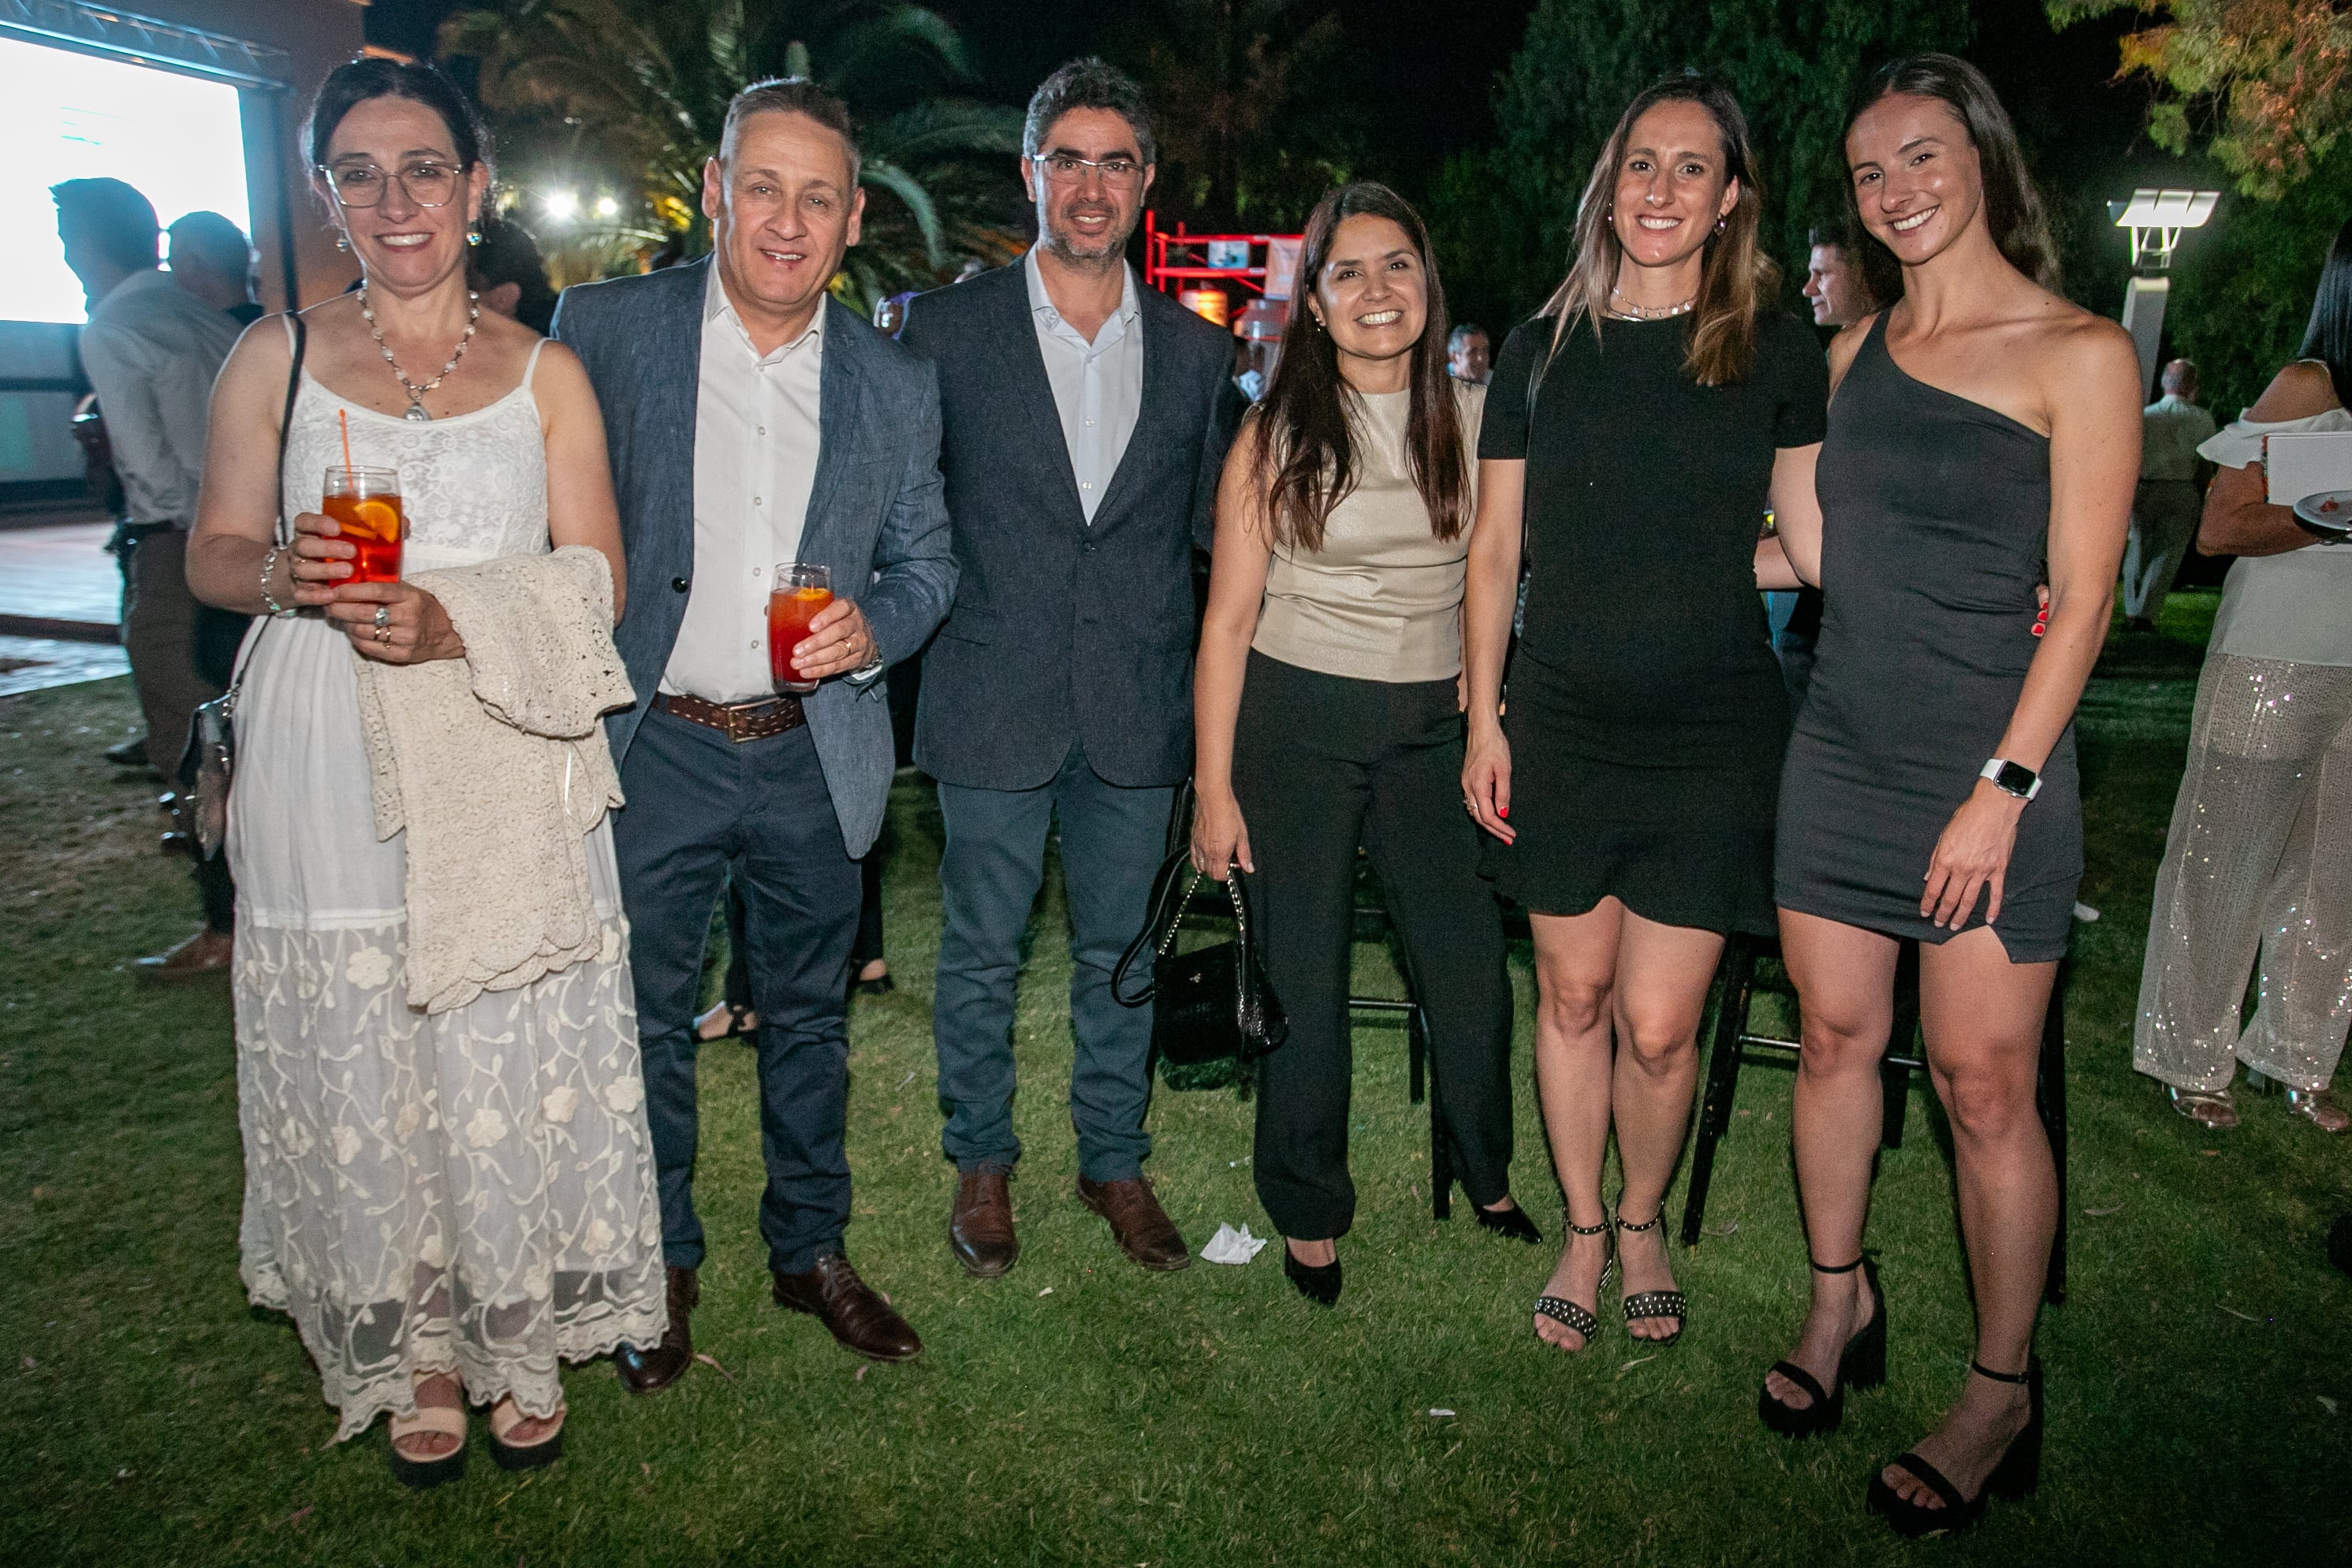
(269, 568)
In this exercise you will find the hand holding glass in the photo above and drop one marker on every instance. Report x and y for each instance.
(365, 504)
(801, 591)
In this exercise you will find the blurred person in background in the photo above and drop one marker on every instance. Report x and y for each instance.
(212, 259)
(2259, 859)
(1468, 354)
(512, 276)
(2165, 508)
(1835, 284)
(151, 351)
(1840, 295)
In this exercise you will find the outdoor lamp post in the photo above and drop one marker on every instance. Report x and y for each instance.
(2155, 219)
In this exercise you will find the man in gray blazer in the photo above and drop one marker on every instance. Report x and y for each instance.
(752, 422)
(1086, 421)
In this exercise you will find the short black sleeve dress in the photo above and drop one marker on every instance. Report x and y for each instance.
(1645, 711)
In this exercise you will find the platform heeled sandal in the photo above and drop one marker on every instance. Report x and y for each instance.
(1639, 1304)
(505, 1417)
(1861, 1364)
(1570, 1314)
(2019, 1472)
(420, 1471)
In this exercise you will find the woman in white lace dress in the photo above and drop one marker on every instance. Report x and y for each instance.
(447, 1203)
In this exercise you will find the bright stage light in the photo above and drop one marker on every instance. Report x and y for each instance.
(606, 208)
(65, 115)
(2156, 218)
(561, 206)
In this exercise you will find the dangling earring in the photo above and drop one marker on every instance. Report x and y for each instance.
(1718, 225)
(342, 240)
(474, 235)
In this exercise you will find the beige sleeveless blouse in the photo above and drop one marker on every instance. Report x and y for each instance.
(1382, 601)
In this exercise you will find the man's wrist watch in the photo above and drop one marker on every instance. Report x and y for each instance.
(2013, 777)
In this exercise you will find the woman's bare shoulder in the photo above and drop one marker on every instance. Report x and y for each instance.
(2298, 391)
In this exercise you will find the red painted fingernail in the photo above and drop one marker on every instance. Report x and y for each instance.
(1503, 812)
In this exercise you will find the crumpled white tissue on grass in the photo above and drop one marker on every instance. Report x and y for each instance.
(1231, 1246)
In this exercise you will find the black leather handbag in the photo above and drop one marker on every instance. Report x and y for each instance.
(1212, 1007)
(208, 761)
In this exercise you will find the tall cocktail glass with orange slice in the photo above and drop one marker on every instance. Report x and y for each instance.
(365, 504)
(800, 590)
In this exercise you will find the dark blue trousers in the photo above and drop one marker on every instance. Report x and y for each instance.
(1112, 838)
(702, 809)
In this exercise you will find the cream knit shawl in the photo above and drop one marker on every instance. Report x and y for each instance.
(495, 767)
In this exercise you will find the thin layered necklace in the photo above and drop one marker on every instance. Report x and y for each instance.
(417, 393)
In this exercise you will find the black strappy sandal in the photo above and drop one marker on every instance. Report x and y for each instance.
(1861, 1364)
(2019, 1472)
(1640, 1304)
(1567, 1313)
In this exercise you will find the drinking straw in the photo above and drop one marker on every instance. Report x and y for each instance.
(343, 417)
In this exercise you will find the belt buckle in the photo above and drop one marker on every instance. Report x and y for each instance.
(738, 723)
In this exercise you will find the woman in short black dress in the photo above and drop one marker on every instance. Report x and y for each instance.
(1640, 429)
(1985, 432)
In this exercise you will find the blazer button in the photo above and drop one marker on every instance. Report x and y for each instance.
(680, 584)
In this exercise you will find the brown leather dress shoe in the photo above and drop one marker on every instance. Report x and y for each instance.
(1144, 1231)
(208, 952)
(860, 1317)
(980, 1230)
(647, 1371)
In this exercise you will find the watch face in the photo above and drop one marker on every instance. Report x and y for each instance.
(2015, 777)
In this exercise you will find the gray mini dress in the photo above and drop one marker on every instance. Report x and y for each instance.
(1935, 530)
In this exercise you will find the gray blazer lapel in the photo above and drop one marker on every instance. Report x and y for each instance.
(674, 341)
(1022, 367)
(1151, 413)
(841, 427)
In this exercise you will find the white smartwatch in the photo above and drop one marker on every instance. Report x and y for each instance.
(2011, 778)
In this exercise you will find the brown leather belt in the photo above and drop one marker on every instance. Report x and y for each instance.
(737, 721)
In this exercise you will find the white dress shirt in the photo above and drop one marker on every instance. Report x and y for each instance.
(151, 352)
(2171, 429)
(1098, 386)
(757, 435)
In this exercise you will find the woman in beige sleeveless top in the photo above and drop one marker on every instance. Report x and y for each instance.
(1327, 714)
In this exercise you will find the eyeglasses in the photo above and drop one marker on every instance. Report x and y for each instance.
(1068, 169)
(426, 184)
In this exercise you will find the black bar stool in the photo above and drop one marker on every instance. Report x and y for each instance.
(1738, 984)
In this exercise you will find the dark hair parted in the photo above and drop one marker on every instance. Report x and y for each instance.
(2328, 335)
(792, 94)
(2012, 207)
(114, 216)
(1087, 83)
(1307, 445)
(1736, 276)
(356, 81)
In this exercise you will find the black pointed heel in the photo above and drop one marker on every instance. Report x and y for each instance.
(2016, 1475)
(1572, 1314)
(1861, 1364)
(1512, 1222)
(1318, 1283)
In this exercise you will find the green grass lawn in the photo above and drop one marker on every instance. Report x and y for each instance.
(1079, 1411)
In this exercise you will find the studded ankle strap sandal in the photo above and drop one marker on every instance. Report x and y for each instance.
(1570, 1314)
(1639, 1304)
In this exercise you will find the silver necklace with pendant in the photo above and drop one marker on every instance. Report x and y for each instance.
(417, 393)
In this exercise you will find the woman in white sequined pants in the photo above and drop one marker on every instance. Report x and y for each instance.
(2259, 858)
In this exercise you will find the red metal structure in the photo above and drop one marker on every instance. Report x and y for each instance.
(1178, 263)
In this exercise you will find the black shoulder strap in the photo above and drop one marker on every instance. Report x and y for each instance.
(286, 420)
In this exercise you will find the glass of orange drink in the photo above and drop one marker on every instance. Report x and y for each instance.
(365, 504)
(800, 590)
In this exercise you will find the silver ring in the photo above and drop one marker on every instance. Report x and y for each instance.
(383, 616)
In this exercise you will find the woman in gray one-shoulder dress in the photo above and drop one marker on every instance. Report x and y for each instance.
(1929, 791)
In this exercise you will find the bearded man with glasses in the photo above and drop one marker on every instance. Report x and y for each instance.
(1086, 421)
